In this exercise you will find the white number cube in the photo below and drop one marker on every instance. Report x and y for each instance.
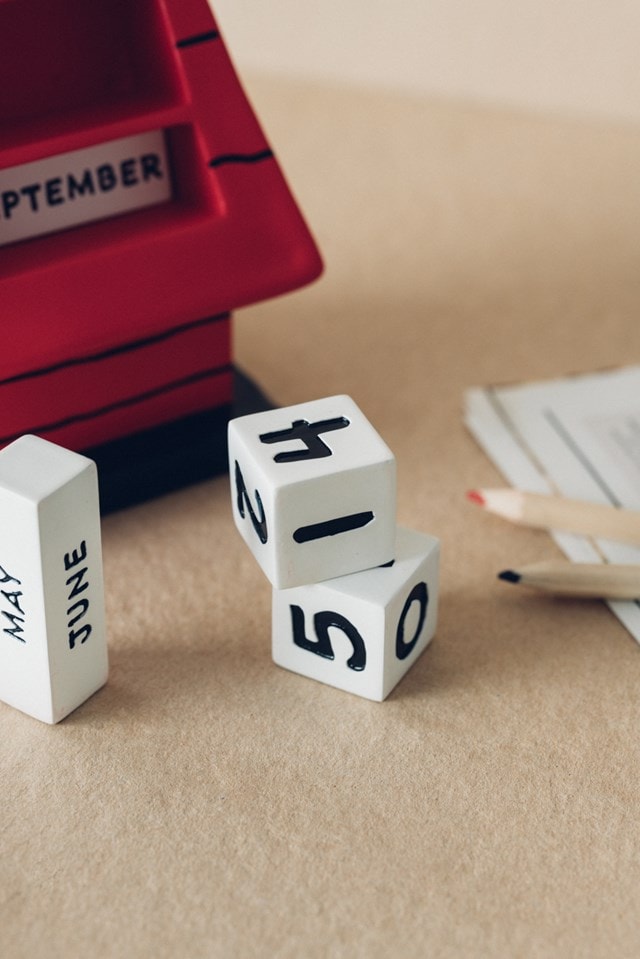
(313, 489)
(53, 652)
(362, 632)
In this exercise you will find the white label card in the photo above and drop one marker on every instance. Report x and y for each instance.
(577, 437)
(82, 186)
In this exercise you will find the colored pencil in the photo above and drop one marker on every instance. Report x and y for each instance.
(554, 512)
(595, 580)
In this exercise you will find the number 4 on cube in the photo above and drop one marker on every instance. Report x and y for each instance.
(313, 490)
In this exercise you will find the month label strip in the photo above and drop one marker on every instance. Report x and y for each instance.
(68, 189)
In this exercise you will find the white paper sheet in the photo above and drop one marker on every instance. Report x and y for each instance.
(578, 437)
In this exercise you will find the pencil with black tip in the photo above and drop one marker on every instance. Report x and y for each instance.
(554, 512)
(594, 580)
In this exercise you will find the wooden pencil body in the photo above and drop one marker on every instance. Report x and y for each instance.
(591, 519)
(596, 580)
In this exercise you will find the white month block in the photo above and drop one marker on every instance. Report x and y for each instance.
(362, 632)
(313, 488)
(53, 651)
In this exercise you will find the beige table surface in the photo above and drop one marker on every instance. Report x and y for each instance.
(207, 803)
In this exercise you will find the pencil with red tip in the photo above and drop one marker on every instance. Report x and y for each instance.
(554, 512)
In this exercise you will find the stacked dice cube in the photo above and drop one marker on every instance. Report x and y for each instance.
(314, 496)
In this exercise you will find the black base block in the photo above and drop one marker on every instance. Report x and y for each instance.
(166, 458)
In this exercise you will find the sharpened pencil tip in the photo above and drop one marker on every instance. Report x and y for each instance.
(475, 496)
(509, 576)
